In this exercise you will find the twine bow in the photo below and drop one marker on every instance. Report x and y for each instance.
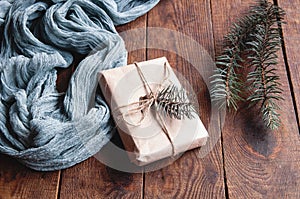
(146, 102)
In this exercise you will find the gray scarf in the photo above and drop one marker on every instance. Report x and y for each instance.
(40, 127)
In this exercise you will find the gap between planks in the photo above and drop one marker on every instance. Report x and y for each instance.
(287, 66)
(58, 187)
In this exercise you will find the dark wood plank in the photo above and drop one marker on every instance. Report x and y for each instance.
(291, 34)
(17, 181)
(190, 176)
(92, 179)
(258, 163)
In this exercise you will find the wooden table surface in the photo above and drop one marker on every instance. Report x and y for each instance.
(246, 162)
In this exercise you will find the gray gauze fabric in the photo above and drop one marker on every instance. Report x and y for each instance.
(40, 127)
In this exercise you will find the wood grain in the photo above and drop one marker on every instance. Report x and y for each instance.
(189, 176)
(291, 35)
(258, 163)
(92, 179)
(17, 181)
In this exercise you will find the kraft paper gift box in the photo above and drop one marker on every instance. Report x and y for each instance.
(153, 137)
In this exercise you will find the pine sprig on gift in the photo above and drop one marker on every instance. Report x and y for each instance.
(264, 83)
(256, 38)
(174, 102)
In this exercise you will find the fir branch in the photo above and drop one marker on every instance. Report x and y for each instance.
(174, 103)
(256, 37)
(226, 83)
(265, 42)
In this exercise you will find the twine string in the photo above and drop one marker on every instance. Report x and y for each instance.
(145, 103)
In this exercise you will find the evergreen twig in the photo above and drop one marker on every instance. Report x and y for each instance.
(256, 37)
(174, 103)
(263, 81)
(226, 81)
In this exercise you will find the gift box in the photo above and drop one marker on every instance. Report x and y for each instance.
(148, 134)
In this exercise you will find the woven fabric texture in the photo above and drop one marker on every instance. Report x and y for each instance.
(39, 126)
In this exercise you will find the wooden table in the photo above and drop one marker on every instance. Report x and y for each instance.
(246, 162)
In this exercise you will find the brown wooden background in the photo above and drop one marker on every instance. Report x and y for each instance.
(247, 162)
